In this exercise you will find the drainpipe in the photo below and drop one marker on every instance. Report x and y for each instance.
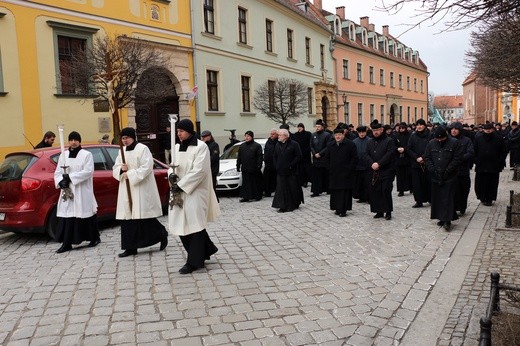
(195, 99)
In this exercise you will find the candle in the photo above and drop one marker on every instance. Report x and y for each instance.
(60, 133)
(173, 120)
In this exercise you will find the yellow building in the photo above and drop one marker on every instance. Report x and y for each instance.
(36, 36)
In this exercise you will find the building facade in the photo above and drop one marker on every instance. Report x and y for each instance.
(241, 45)
(378, 77)
(38, 36)
(451, 108)
(480, 102)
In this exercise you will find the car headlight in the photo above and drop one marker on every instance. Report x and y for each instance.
(230, 173)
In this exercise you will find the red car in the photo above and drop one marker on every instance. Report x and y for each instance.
(28, 197)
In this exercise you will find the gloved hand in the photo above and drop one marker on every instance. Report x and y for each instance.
(63, 184)
(67, 178)
(176, 188)
(238, 169)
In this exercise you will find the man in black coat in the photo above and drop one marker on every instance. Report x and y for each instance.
(320, 174)
(490, 154)
(403, 174)
(513, 141)
(421, 185)
(463, 178)
(443, 157)
(361, 177)
(47, 141)
(380, 152)
(269, 174)
(303, 138)
(342, 158)
(287, 156)
(249, 161)
(214, 152)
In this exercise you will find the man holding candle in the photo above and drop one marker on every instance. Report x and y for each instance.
(139, 209)
(77, 219)
(193, 168)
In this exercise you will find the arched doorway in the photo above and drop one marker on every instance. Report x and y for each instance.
(325, 111)
(393, 109)
(156, 98)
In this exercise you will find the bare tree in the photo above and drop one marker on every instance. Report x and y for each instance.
(111, 69)
(281, 99)
(457, 14)
(494, 56)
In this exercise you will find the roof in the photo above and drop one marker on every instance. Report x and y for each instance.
(313, 14)
(443, 102)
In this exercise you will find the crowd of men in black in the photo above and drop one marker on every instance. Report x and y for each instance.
(433, 162)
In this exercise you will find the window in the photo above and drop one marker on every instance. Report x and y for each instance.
(242, 25)
(382, 113)
(345, 69)
(400, 81)
(400, 113)
(268, 35)
(381, 77)
(372, 112)
(322, 56)
(309, 100)
(307, 51)
(415, 84)
(270, 86)
(408, 114)
(359, 72)
(289, 43)
(422, 86)
(209, 17)
(70, 43)
(246, 94)
(212, 86)
(346, 112)
(360, 113)
(415, 114)
(371, 74)
(408, 83)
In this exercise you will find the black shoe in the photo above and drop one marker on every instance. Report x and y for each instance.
(388, 216)
(315, 195)
(164, 243)
(267, 195)
(242, 200)
(214, 251)
(336, 212)
(462, 212)
(447, 225)
(400, 194)
(417, 205)
(127, 253)
(440, 223)
(378, 215)
(342, 214)
(64, 248)
(282, 210)
(360, 201)
(94, 243)
(186, 269)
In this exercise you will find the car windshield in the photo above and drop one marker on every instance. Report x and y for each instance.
(14, 166)
(231, 153)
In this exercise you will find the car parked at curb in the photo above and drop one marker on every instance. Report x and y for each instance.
(28, 196)
(228, 179)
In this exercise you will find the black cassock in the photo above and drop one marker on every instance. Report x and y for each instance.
(342, 158)
(289, 193)
(490, 153)
(421, 184)
(403, 169)
(381, 150)
(140, 233)
(249, 161)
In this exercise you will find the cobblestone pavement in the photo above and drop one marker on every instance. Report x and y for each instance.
(301, 278)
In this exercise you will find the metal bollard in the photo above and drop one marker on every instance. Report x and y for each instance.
(509, 220)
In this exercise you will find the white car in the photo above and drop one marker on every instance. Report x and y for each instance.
(228, 178)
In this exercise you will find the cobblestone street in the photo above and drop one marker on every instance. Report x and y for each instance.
(301, 278)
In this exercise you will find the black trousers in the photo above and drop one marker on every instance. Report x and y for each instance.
(198, 247)
(319, 179)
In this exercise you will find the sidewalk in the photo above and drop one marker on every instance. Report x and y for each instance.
(452, 311)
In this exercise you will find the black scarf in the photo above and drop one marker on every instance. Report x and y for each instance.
(74, 152)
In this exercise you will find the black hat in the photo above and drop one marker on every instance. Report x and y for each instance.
(440, 132)
(301, 125)
(375, 126)
(250, 133)
(514, 123)
(456, 125)
(488, 126)
(420, 122)
(361, 128)
(320, 122)
(284, 126)
(338, 130)
(75, 135)
(387, 127)
(186, 125)
(205, 133)
(129, 132)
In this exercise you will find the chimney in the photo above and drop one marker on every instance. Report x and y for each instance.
(318, 5)
(340, 12)
(372, 27)
(364, 22)
(386, 32)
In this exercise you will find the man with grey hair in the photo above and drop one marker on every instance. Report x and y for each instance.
(287, 156)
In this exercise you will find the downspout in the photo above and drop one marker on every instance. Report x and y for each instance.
(195, 99)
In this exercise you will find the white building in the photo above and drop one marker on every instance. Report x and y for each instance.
(242, 44)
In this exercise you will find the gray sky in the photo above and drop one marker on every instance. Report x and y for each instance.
(443, 53)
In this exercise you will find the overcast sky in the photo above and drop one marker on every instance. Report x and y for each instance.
(443, 53)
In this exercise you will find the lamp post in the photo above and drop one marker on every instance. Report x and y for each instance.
(345, 109)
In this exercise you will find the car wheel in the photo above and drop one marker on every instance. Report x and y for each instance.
(52, 223)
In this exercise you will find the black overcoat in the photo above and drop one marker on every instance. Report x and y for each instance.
(416, 146)
(443, 160)
(318, 143)
(286, 157)
(382, 151)
(342, 159)
(490, 153)
(249, 159)
(268, 154)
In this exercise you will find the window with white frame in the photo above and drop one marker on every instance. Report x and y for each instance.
(359, 72)
(309, 100)
(322, 56)
(400, 81)
(290, 44)
(307, 50)
(371, 74)
(415, 84)
(268, 35)
(408, 83)
(346, 112)
(382, 77)
(209, 17)
(212, 89)
(392, 80)
(360, 113)
(372, 112)
(246, 93)
(382, 113)
(422, 86)
(242, 25)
